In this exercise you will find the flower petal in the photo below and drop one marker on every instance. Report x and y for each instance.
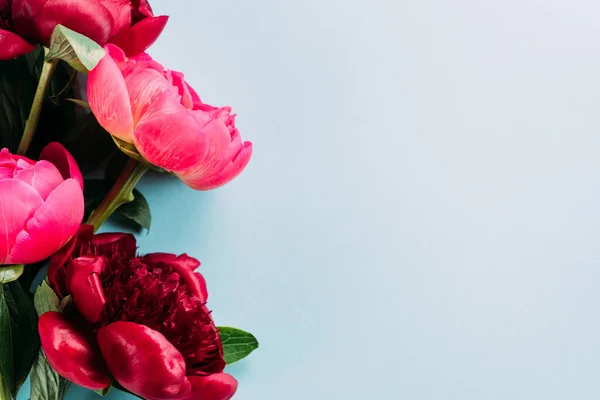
(43, 177)
(109, 100)
(63, 160)
(212, 387)
(142, 360)
(171, 141)
(13, 45)
(139, 37)
(184, 265)
(52, 225)
(120, 243)
(72, 352)
(83, 282)
(57, 275)
(15, 210)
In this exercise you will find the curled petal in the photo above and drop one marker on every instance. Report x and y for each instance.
(13, 45)
(72, 352)
(200, 181)
(143, 361)
(15, 210)
(212, 387)
(139, 37)
(83, 282)
(109, 100)
(63, 160)
(52, 225)
(123, 244)
(58, 262)
(184, 265)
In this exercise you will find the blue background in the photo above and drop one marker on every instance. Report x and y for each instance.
(420, 218)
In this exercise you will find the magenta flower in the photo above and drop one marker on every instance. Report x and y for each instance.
(139, 102)
(127, 23)
(41, 204)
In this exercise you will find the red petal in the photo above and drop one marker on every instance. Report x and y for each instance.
(114, 243)
(185, 266)
(139, 37)
(142, 360)
(72, 351)
(83, 282)
(13, 45)
(63, 160)
(212, 387)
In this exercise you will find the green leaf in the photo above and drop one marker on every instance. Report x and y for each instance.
(6, 350)
(26, 342)
(74, 48)
(237, 344)
(137, 211)
(81, 103)
(10, 273)
(103, 392)
(45, 382)
(45, 299)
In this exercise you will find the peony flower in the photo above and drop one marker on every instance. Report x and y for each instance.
(139, 102)
(140, 320)
(127, 23)
(41, 204)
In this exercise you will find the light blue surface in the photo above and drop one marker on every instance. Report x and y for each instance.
(420, 219)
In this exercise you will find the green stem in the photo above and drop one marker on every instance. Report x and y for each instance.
(36, 107)
(4, 390)
(120, 193)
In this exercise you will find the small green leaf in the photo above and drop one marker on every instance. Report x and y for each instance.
(103, 392)
(137, 211)
(45, 382)
(237, 344)
(81, 103)
(6, 350)
(78, 50)
(65, 303)
(10, 273)
(45, 299)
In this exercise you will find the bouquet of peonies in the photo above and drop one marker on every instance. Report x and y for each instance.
(81, 98)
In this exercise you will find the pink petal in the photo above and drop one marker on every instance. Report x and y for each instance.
(83, 282)
(143, 361)
(109, 100)
(63, 160)
(171, 141)
(212, 387)
(52, 225)
(13, 45)
(139, 37)
(43, 177)
(150, 93)
(17, 204)
(72, 351)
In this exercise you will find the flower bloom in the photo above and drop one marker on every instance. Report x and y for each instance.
(41, 204)
(128, 23)
(139, 102)
(140, 320)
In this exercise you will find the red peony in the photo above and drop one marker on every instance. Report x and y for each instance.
(141, 321)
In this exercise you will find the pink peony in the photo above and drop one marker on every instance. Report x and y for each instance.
(41, 204)
(139, 102)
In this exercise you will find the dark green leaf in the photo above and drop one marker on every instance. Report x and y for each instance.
(45, 382)
(45, 299)
(6, 351)
(25, 338)
(137, 211)
(104, 392)
(74, 48)
(237, 344)
(10, 273)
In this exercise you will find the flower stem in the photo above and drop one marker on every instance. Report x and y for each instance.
(120, 193)
(36, 107)
(4, 390)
